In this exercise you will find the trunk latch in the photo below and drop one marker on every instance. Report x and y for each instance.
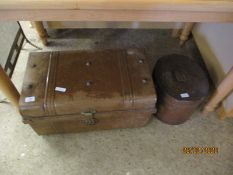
(90, 119)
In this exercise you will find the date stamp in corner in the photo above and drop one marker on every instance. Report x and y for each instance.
(200, 150)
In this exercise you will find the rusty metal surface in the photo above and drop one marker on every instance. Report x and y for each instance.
(182, 85)
(113, 82)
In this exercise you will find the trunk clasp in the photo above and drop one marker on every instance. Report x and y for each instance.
(90, 119)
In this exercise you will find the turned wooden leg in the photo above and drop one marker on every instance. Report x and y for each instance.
(186, 32)
(224, 88)
(42, 33)
(8, 88)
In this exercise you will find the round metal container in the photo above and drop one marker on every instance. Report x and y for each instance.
(181, 85)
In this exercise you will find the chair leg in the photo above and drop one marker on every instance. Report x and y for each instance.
(8, 88)
(186, 31)
(42, 33)
(224, 89)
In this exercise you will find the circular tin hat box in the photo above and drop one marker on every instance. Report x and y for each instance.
(182, 85)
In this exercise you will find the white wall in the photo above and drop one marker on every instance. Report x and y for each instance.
(215, 42)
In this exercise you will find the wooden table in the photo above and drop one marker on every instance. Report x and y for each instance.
(118, 10)
(189, 11)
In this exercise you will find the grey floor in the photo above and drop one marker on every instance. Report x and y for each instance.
(152, 150)
(8, 32)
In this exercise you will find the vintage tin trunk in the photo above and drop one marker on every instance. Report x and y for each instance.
(78, 91)
(181, 85)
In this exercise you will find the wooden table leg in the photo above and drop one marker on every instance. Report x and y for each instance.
(225, 87)
(186, 32)
(8, 88)
(42, 33)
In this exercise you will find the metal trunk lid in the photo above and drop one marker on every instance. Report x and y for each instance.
(77, 82)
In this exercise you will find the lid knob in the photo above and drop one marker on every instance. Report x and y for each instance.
(141, 61)
(88, 83)
(144, 81)
(88, 63)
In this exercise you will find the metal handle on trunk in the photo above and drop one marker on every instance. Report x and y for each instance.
(180, 76)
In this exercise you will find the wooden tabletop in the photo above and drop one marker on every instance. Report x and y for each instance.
(104, 10)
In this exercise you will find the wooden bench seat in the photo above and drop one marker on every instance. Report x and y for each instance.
(183, 5)
(37, 4)
(167, 5)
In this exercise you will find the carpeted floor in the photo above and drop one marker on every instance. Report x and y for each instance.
(8, 31)
(152, 150)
